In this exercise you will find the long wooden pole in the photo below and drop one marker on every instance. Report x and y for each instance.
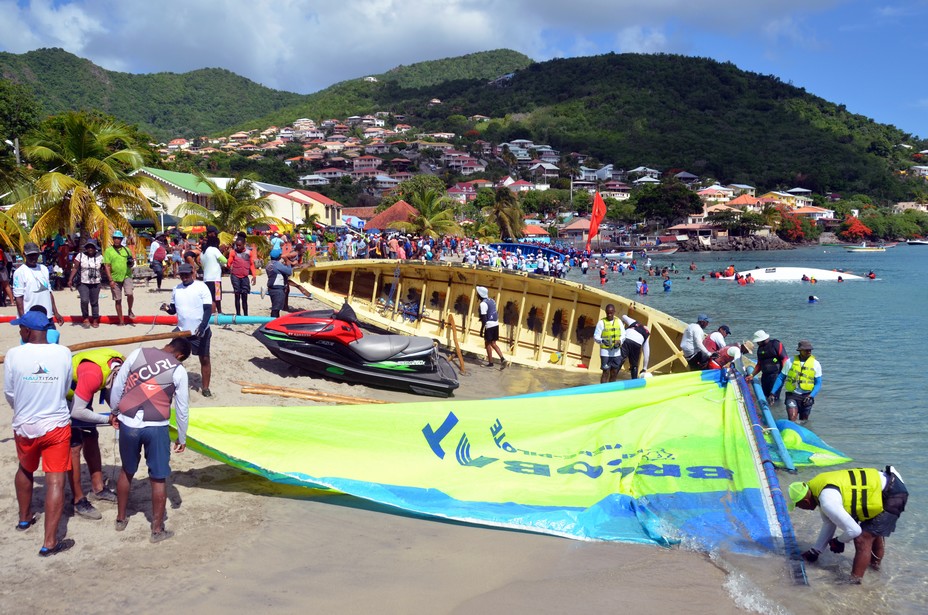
(457, 346)
(123, 341)
(270, 389)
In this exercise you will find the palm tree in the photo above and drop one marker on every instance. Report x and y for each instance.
(435, 218)
(506, 213)
(772, 216)
(88, 185)
(236, 207)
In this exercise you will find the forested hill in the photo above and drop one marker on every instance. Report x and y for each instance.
(213, 100)
(164, 104)
(668, 111)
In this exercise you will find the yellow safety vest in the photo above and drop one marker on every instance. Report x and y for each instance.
(803, 373)
(861, 490)
(612, 332)
(99, 356)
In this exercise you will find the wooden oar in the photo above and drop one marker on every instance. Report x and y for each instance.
(300, 288)
(457, 346)
(124, 341)
(270, 389)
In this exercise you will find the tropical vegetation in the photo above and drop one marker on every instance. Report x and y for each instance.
(232, 208)
(82, 178)
(435, 216)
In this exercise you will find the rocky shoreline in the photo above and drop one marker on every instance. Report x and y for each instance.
(737, 244)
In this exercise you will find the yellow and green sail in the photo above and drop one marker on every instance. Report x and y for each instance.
(652, 461)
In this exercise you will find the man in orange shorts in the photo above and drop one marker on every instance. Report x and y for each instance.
(37, 376)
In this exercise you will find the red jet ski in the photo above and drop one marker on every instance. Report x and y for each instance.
(333, 345)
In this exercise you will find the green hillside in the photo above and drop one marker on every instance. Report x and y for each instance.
(166, 105)
(667, 111)
(357, 96)
(663, 111)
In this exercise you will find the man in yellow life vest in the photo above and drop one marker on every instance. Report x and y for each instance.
(92, 372)
(864, 503)
(609, 334)
(803, 377)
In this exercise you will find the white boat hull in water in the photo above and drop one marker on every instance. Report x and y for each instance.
(794, 274)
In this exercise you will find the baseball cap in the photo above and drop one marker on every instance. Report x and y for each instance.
(117, 235)
(482, 292)
(797, 491)
(804, 345)
(725, 329)
(184, 268)
(703, 318)
(90, 242)
(760, 336)
(30, 248)
(37, 321)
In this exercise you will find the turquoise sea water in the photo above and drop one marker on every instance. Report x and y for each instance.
(870, 339)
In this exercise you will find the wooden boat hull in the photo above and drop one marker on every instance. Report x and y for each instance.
(544, 322)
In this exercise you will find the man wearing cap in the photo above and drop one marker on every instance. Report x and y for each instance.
(93, 371)
(692, 344)
(716, 340)
(489, 327)
(193, 304)
(157, 252)
(609, 333)
(863, 503)
(803, 377)
(119, 262)
(36, 378)
(31, 285)
(727, 354)
(771, 356)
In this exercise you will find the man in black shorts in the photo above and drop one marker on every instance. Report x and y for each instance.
(489, 319)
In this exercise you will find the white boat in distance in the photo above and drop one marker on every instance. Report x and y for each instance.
(794, 274)
(918, 242)
(863, 247)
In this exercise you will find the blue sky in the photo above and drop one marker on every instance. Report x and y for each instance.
(869, 56)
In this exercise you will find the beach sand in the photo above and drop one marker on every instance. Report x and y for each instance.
(245, 544)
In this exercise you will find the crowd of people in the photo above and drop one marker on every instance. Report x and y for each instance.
(52, 391)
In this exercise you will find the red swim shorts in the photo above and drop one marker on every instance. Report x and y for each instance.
(54, 448)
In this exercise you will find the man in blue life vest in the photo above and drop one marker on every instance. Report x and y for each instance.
(864, 503)
(489, 327)
(150, 380)
(803, 377)
(92, 372)
(609, 333)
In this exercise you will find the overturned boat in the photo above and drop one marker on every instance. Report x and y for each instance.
(331, 344)
(544, 322)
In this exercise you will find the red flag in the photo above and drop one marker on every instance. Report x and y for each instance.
(599, 212)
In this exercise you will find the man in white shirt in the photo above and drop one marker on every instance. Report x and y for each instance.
(718, 338)
(212, 261)
(37, 376)
(692, 344)
(149, 383)
(863, 503)
(193, 304)
(31, 285)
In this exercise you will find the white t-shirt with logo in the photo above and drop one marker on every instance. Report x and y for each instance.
(36, 379)
(33, 286)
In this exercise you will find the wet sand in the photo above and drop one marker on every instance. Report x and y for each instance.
(243, 543)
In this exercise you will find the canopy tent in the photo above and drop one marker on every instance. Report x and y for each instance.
(168, 219)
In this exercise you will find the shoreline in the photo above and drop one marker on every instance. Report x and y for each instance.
(245, 543)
